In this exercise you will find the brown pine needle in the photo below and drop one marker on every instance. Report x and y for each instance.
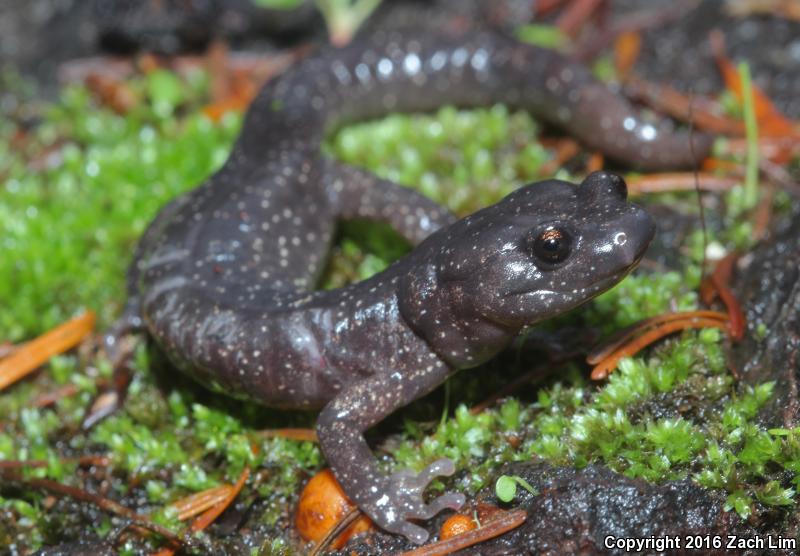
(605, 367)
(565, 149)
(679, 181)
(307, 435)
(37, 352)
(340, 527)
(595, 163)
(197, 503)
(49, 398)
(627, 47)
(622, 337)
(506, 522)
(576, 15)
(211, 514)
(779, 149)
(771, 122)
(717, 285)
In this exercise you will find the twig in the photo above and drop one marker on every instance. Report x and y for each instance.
(347, 520)
(575, 16)
(99, 501)
(672, 102)
(99, 461)
(49, 398)
(503, 524)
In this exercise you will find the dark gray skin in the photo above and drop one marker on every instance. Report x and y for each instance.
(222, 278)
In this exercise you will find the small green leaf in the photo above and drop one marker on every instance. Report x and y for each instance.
(548, 36)
(278, 4)
(782, 432)
(772, 494)
(505, 488)
(740, 502)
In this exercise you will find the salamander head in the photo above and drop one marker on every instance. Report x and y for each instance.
(543, 250)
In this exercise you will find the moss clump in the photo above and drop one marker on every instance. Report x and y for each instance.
(648, 421)
(444, 155)
(79, 189)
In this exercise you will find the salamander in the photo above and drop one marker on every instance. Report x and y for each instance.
(223, 279)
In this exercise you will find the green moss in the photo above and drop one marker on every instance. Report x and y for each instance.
(614, 425)
(644, 295)
(81, 191)
(446, 154)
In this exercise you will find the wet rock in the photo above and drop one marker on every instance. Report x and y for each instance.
(767, 283)
(37, 35)
(434, 14)
(674, 226)
(678, 52)
(576, 510)
(83, 547)
(171, 26)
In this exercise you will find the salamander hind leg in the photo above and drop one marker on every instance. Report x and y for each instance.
(405, 488)
(130, 321)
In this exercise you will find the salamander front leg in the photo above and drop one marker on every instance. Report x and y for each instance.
(391, 501)
(361, 194)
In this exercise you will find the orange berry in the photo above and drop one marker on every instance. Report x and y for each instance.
(455, 525)
(322, 504)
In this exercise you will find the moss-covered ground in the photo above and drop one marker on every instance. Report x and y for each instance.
(78, 184)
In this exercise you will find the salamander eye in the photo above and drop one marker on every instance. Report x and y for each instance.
(551, 245)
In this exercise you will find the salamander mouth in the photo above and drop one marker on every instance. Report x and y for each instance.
(608, 282)
(594, 288)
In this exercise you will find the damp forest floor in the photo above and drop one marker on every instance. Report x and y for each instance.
(78, 184)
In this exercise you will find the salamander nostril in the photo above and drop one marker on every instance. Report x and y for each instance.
(604, 184)
(618, 185)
